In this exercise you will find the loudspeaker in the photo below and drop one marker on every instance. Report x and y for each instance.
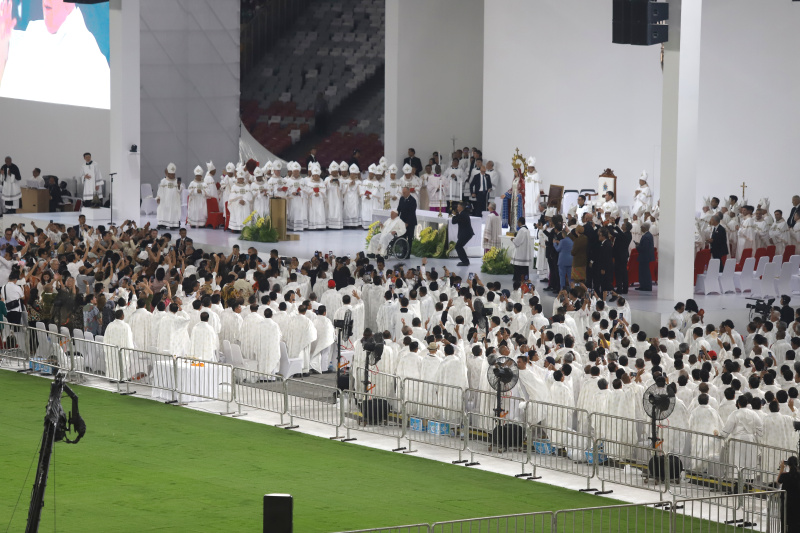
(621, 22)
(649, 34)
(278, 513)
(638, 22)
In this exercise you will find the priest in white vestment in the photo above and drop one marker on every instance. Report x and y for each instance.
(325, 342)
(351, 199)
(642, 197)
(746, 425)
(198, 211)
(239, 203)
(453, 381)
(533, 187)
(317, 196)
(118, 333)
(231, 324)
(91, 179)
(296, 199)
(491, 230)
(209, 183)
(168, 197)
(390, 229)
(204, 340)
(705, 419)
(334, 198)
(260, 191)
(141, 324)
(249, 333)
(300, 334)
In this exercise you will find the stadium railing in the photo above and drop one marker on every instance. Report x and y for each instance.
(204, 379)
(378, 409)
(523, 523)
(15, 344)
(152, 369)
(258, 390)
(99, 360)
(434, 415)
(416, 528)
(314, 402)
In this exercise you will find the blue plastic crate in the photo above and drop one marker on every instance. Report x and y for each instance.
(416, 424)
(544, 447)
(37, 365)
(438, 428)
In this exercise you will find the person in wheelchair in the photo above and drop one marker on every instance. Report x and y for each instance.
(391, 229)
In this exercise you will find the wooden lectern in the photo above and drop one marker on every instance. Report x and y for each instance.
(277, 212)
(35, 200)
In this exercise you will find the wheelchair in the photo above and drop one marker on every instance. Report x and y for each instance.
(399, 247)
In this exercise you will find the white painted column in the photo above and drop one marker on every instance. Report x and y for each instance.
(125, 108)
(679, 151)
(433, 76)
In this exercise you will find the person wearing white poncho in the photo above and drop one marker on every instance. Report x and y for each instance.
(141, 326)
(209, 182)
(260, 191)
(118, 334)
(325, 341)
(351, 207)
(453, 372)
(300, 334)
(168, 197)
(391, 228)
(204, 343)
(705, 419)
(334, 191)
(642, 197)
(239, 203)
(198, 211)
(317, 195)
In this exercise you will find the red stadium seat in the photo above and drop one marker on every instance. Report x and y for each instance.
(746, 254)
(788, 252)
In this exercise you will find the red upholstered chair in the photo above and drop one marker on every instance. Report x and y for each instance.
(215, 218)
(633, 267)
(701, 262)
(746, 253)
(770, 252)
(761, 252)
(654, 267)
(788, 252)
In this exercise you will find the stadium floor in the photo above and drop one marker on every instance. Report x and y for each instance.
(147, 466)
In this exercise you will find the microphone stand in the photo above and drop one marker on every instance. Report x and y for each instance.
(111, 199)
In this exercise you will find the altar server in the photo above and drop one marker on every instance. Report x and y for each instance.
(169, 200)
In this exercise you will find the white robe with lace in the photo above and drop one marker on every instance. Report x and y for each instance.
(240, 193)
(119, 334)
(300, 334)
(317, 196)
(204, 342)
(141, 323)
(168, 212)
(198, 211)
(333, 193)
(231, 327)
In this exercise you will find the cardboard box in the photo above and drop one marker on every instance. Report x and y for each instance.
(416, 424)
(544, 447)
(438, 428)
(39, 365)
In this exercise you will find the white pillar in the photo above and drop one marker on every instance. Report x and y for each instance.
(679, 151)
(125, 108)
(433, 76)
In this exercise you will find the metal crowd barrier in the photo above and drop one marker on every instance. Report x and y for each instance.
(260, 391)
(758, 460)
(506, 436)
(643, 517)
(97, 359)
(152, 369)
(760, 512)
(15, 344)
(562, 451)
(434, 415)
(49, 352)
(541, 522)
(204, 379)
(314, 402)
(702, 456)
(371, 413)
(416, 528)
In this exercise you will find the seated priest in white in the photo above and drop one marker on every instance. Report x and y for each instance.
(491, 231)
(205, 341)
(198, 211)
(390, 229)
(168, 197)
(239, 203)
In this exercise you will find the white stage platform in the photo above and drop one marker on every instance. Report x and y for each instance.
(649, 311)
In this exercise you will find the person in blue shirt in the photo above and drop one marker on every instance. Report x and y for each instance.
(563, 245)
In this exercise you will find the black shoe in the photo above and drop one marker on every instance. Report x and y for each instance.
(161, 226)
(312, 371)
(305, 375)
(462, 264)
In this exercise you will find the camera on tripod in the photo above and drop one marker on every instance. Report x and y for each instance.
(761, 307)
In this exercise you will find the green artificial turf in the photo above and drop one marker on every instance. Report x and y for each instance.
(146, 466)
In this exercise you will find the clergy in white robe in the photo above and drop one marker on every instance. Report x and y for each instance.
(209, 183)
(118, 333)
(231, 324)
(351, 202)
(491, 230)
(705, 419)
(317, 196)
(141, 323)
(744, 424)
(642, 197)
(371, 192)
(300, 334)
(391, 229)
(747, 233)
(453, 381)
(239, 203)
(533, 187)
(334, 197)
(267, 345)
(325, 343)
(204, 340)
(260, 192)
(779, 233)
(522, 254)
(168, 197)
(249, 336)
(198, 211)
(296, 199)
(91, 178)
(411, 181)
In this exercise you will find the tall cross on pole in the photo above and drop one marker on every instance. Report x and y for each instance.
(743, 188)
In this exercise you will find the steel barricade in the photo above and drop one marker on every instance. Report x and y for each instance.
(151, 369)
(372, 413)
(92, 358)
(702, 456)
(15, 344)
(759, 512)
(621, 456)
(204, 379)
(636, 517)
(757, 460)
(50, 352)
(761, 498)
(380, 384)
(541, 522)
(434, 414)
(562, 450)
(415, 528)
(504, 437)
(314, 402)
(260, 391)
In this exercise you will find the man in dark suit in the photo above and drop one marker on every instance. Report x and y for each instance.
(622, 241)
(312, 158)
(719, 241)
(592, 251)
(407, 209)
(479, 189)
(465, 232)
(81, 228)
(605, 262)
(795, 209)
(647, 254)
(414, 161)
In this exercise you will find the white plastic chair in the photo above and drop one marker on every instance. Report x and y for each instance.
(149, 205)
(88, 335)
(726, 281)
(762, 264)
(744, 280)
(766, 286)
(227, 352)
(783, 285)
(239, 361)
(52, 328)
(77, 334)
(709, 282)
(40, 325)
(289, 367)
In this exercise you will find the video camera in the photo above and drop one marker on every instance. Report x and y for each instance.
(761, 307)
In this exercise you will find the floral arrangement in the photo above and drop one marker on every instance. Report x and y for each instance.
(496, 261)
(259, 229)
(432, 242)
(374, 229)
